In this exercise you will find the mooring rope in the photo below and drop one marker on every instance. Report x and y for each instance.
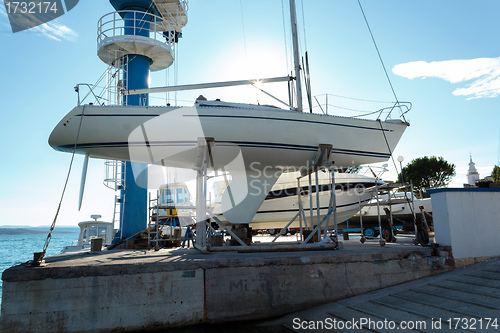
(53, 225)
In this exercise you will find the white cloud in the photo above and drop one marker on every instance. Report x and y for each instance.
(55, 31)
(4, 23)
(3, 15)
(483, 72)
(50, 30)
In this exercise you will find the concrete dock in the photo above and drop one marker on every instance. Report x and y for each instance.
(138, 290)
(466, 299)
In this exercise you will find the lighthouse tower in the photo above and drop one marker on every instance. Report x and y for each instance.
(472, 174)
(137, 38)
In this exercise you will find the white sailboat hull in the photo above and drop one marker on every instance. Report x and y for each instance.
(271, 136)
(255, 144)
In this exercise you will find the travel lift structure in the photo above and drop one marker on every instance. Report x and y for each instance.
(137, 38)
(140, 36)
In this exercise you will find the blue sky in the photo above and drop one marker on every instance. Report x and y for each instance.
(443, 56)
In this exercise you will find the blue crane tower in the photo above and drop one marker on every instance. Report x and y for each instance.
(138, 38)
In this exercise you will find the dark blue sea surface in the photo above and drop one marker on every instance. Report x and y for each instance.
(18, 248)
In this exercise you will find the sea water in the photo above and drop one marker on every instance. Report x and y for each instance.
(17, 249)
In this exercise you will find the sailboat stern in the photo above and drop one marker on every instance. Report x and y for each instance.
(97, 131)
(64, 136)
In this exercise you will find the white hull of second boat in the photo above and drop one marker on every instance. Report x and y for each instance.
(279, 212)
(281, 204)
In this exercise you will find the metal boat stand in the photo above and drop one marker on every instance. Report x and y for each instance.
(381, 241)
(204, 156)
(322, 160)
(423, 232)
(363, 238)
(384, 236)
(204, 216)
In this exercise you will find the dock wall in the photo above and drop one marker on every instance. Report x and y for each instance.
(132, 296)
(468, 221)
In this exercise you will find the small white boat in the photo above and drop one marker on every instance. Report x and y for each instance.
(90, 230)
(402, 206)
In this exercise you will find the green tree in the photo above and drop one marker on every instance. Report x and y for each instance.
(427, 172)
(495, 174)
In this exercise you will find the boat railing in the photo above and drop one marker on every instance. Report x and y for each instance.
(360, 108)
(98, 99)
(403, 107)
(386, 113)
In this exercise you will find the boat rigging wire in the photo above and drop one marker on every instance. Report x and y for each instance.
(176, 71)
(95, 85)
(304, 25)
(99, 80)
(379, 55)
(167, 83)
(348, 109)
(396, 167)
(53, 225)
(359, 99)
(319, 105)
(367, 112)
(374, 112)
(288, 69)
(244, 35)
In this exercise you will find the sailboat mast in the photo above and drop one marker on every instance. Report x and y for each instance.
(296, 56)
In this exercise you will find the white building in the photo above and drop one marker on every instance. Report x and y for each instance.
(472, 174)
